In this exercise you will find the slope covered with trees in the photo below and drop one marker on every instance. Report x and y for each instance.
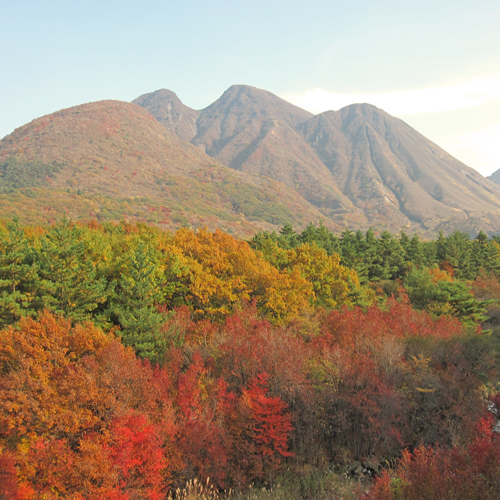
(112, 160)
(133, 360)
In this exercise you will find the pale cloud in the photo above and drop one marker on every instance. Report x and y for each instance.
(479, 150)
(406, 102)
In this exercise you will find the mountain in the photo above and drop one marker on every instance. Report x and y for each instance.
(359, 166)
(248, 161)
(495, 177)
(392, 172)
(253, 131)
(114, 160)
(168, 109)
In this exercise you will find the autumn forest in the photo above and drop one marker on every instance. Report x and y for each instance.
(137, 363)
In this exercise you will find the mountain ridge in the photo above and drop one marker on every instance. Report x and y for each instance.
(358, 164)
(248, 161)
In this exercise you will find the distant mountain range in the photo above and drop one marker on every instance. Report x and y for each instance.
(248, 161)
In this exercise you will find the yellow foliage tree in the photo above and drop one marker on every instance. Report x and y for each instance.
(332, 283)
(218, 271)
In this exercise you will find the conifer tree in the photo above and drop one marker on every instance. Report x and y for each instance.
(327, 240)
(392, 254)
(18, 275)
(348, 249)
(361, 264)
(404, 241)
(429, 249)
(440, 297)
(352, 251)
(260, 239)
(288, 237)
(458, 251)
(377, 266)
(493, 258)
(415, 253)
(480, 254)
(440, 246)
(309, 234)
(140, 288)
(68, 283)
(466, 307)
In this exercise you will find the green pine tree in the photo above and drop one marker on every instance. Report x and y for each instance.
(454, 298)
(480, 254)
(415, 252)
(288, 238)
(139, 290)
(458, 252)
(68, 284)
(18, 275)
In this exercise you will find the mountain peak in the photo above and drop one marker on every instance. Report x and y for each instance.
(168, 109)
(238, 87)
(357, 164)
(365, 111)
(363, 107)
(164, 93)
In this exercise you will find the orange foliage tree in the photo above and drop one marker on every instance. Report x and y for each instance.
(62, 389)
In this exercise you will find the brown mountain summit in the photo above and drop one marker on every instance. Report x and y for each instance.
(358, 165)
(168, 109)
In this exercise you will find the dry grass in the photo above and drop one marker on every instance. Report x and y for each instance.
(326, 487)
(198, 490)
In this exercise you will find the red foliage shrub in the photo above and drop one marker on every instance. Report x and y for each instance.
(272, 425)
(448, 474)
(136, 450)
(8, 477)
(354, 328)
(250, 345)
(259, 427)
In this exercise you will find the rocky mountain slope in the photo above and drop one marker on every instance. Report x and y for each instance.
(390, 171)
(254, 131)
(359, 166)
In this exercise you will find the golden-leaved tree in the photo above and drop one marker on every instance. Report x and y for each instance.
(217, 271)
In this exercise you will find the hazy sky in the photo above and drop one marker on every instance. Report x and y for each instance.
(435, 64)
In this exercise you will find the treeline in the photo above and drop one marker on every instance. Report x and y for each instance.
(439, 276)
(390, 257)
(128, 276)
(133, 360)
